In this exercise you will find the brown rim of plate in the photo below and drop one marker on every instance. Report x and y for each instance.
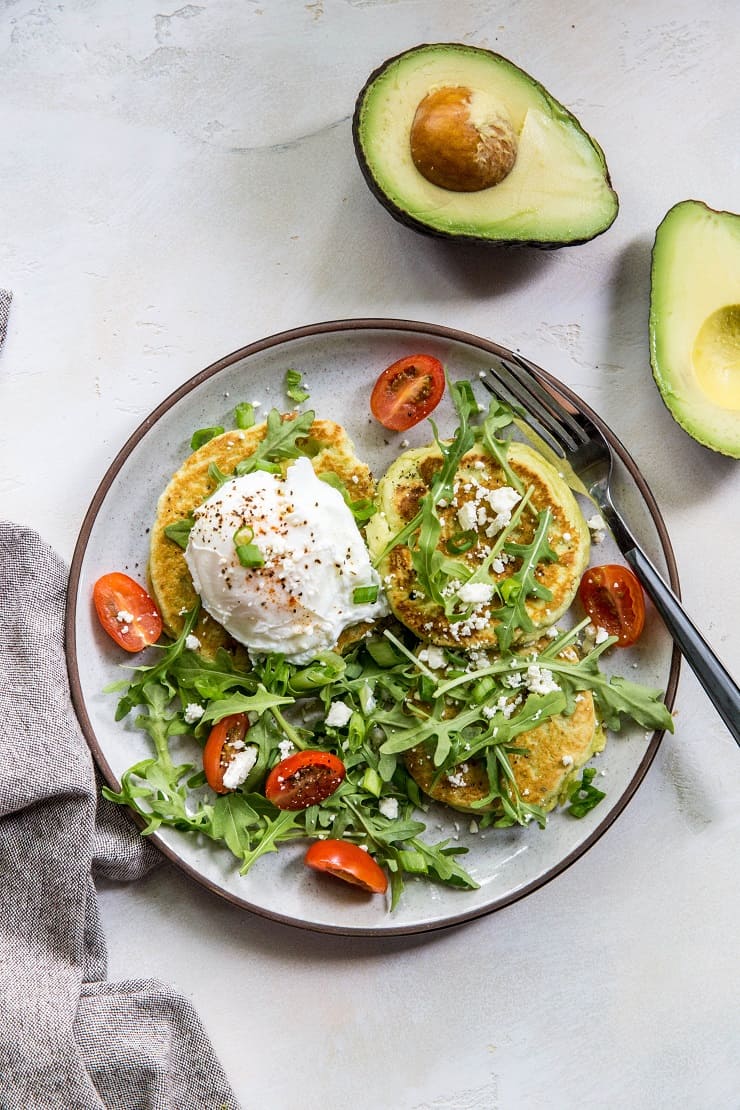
(326, 328)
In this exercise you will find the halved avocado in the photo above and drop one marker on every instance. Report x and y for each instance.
(459, 142)
(695, 322)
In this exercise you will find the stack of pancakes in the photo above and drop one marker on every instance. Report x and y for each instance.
(558, 747)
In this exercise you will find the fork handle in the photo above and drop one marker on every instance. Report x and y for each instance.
(716, 680)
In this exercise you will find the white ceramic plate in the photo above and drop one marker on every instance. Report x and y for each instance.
(340, 361)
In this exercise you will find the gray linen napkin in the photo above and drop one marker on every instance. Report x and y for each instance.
(70, 1040)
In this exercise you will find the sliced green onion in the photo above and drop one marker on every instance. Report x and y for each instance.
(412, 862)
(482, 689)
(461, 542)
(243, 535)
(244, 415)
(364, 595)
(249, 555)
(372, 782)
(203, 435)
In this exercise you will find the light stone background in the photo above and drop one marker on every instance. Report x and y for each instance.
(176, 181)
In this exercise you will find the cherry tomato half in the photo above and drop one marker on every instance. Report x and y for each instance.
(347, 861)
(126, 611)
(407, 391)
(304, 779)
(224, 740)
(613, 599)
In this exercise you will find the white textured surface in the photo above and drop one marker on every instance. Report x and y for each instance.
(175, 183)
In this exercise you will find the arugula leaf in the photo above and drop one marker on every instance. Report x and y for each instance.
(362, 508)
(204, 435)
(583, 795)
(279, 443)
(294, 387)
(523, 584)
(180, 530)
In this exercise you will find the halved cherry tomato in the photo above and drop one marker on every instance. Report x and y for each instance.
(126, 611)
(613, 599)
(407, 391)
(304, 779)
(347, 861)
(224, 740)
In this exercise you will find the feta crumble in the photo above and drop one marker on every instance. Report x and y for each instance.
(597, 528)
(239, 768)
(192, 643)
(389, 808)
(193, 712)
(476, 593)
(434, 657)
(467, 516)
(540, 680)
(124, 617)
(338, 714)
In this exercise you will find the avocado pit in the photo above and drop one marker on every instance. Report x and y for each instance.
(460, 142)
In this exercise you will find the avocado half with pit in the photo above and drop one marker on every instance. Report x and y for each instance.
(695, 322)
(459, 142)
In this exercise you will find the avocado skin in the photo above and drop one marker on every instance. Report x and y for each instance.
(707, 434)
(407, 219)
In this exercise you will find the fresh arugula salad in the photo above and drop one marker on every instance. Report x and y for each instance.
(325, 746)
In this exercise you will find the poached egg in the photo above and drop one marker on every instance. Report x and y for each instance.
(300, 599)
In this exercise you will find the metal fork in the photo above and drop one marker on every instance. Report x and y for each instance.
(574, 437)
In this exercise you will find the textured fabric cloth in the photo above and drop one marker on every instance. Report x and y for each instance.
(70, 1040)
(5, 299)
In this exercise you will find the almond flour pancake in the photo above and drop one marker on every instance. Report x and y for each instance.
(556, 750)
(479, 480)
(330, 450)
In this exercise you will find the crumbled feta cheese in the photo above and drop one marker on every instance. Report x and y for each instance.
(286, 748)
(567, 761)
(389, 808)
(540, 680)
(338, 714)
(567, 537)
(192, 643)
(124, 617)
(239, 767)
(498, 566)
(467, 516)
(193, 712)
(476, 593)
(434, 657)
(596, 527)
(502, 502)
(458, 779)
(473, 826)
(601, 635)
(507, 707)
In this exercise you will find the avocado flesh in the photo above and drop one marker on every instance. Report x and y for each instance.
(695, 322)
(558, 191)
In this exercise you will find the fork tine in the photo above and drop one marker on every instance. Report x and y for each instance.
(550, 409)
(494, 382)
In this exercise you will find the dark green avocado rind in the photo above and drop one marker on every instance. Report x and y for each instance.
(408, 220)
(702, 433)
